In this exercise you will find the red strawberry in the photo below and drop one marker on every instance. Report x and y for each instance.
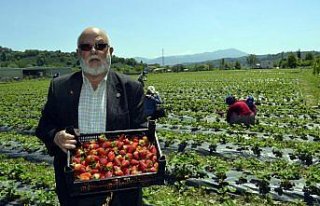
(79, 168)
(125, 163)
(117, 160)
(92, 158)
(118, 173)
(115, 167)
(94, 171)
(79, 152)
(153, 169)
(92, 152)
(131, 148)
(135, 139)
(88, 168)
(109, 174)
(84, 163)
(153, 149)
(106, 144)
(154, 158)
(149, 163)
(109, 166)
(121, 137)
(134, 172)
(135, 145)
(101, 151)
(134, 162)
(111, 156)
(93, 146)
(96, 165)
(76, 160)
(86, 145)
(126, 171)
(136, 155)
(102, 175)
(149, 155)
(126, 141)
(122, 152)
(142, 166)
(85, 176)
(119, 144)
(143, 153)
(103, 161)
(128, 156)
(125, 147)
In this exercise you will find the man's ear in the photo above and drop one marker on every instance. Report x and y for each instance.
(78, 53)
(111, 50)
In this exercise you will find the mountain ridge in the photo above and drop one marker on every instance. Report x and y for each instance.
(193, 58)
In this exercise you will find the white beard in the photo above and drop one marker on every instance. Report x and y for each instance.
(104, 67)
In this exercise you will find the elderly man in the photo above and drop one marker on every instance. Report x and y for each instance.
(93, 100)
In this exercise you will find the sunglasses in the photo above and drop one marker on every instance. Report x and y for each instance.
(88, 47)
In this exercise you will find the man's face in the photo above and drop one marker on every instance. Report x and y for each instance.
(94, 52)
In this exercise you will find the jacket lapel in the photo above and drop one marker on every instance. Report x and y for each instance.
(114, 96)
(74, 92)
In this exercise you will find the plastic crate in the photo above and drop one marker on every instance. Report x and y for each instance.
(116, 183)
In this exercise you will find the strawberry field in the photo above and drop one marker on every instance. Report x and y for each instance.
(209, 162)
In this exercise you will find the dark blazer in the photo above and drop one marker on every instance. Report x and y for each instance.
(124, 111)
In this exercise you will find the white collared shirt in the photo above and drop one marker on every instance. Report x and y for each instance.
(92, 110)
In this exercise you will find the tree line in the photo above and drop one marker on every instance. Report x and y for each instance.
(281, 60)
(288, 60)
(33, 58)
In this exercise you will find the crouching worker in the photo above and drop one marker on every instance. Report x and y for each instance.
(239, 112)
(152, 104)
(251, 104)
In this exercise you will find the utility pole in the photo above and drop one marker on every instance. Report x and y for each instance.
(162, 57)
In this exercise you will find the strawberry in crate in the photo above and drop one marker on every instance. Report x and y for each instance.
(123, 155)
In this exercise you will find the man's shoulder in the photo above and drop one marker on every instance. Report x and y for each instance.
(123, 78)
(67, 77)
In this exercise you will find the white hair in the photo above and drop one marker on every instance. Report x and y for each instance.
(151, 90)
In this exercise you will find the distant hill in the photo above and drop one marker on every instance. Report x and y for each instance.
(194, 58)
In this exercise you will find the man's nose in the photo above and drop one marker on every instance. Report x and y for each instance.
(93, 50)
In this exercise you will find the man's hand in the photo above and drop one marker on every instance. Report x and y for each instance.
(65, 141)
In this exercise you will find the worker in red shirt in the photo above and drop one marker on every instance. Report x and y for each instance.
(250, 102)
(239, 112)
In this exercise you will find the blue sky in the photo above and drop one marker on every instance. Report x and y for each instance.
(143, 27)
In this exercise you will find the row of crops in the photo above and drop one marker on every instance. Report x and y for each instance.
(210, 162)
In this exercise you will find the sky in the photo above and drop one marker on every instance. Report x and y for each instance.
(145, 28)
